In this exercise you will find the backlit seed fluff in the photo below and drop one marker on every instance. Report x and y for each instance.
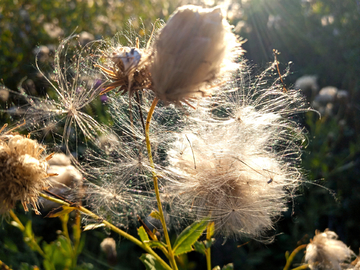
(242, 190)
(326, 252)
(193, 49)
(22, 172)
(66, 182)
(237, 161)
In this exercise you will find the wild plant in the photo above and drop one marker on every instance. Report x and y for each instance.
(191, 140)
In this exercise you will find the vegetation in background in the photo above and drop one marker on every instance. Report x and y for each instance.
(319, 37)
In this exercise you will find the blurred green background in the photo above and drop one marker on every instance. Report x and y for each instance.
(322, 40)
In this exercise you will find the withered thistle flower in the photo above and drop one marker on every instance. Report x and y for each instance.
(325, 251)
(22, 171)
(237, 159)
(126, 68)
(191, 53)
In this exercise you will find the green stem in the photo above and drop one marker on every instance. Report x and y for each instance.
(209, 234)
(292, 255)
(304, 266)
(77, 235)
(208, 258)
(64, 222)
(31, 236)
(112, 227)
(17, 220)
(156, 184)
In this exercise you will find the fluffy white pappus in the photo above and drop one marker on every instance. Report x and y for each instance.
(74, 84)
(325, 251)
(195, 47)
(130, 125)
(308, 85)
(122, 176)
(118, 199)
(60, 159)
(238, 161)
(67, 181)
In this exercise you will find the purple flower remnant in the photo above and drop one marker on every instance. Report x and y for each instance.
(104, 98)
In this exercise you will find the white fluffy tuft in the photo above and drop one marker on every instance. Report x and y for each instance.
(326, 252)
(195, 47)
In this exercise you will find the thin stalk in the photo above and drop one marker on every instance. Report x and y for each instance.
(31, 237)
(156, 184)
(64, 222)
(77, 234)
(209, 234)
(138, 101)
(304, 266)
(112, 227)
(15, 218)
(292, 255)
(208, 258)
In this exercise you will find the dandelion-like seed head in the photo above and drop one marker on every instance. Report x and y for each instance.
(240, 189)
(23, 171)
(73, 86)
(123, 184)
(325, 251)
(237, 160)
(192, 52)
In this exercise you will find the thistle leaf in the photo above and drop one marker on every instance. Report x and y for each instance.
(150, 262)
(199, 247)
(62, 210)
(142, 234)
(210, 230)
(155, 244)
(189, 236)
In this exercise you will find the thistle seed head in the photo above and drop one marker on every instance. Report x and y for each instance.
(191, 53)
(22, 171)
(326, 252)
(237, 160)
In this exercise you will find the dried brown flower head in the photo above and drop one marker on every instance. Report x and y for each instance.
(22, 171)
(127, 68)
